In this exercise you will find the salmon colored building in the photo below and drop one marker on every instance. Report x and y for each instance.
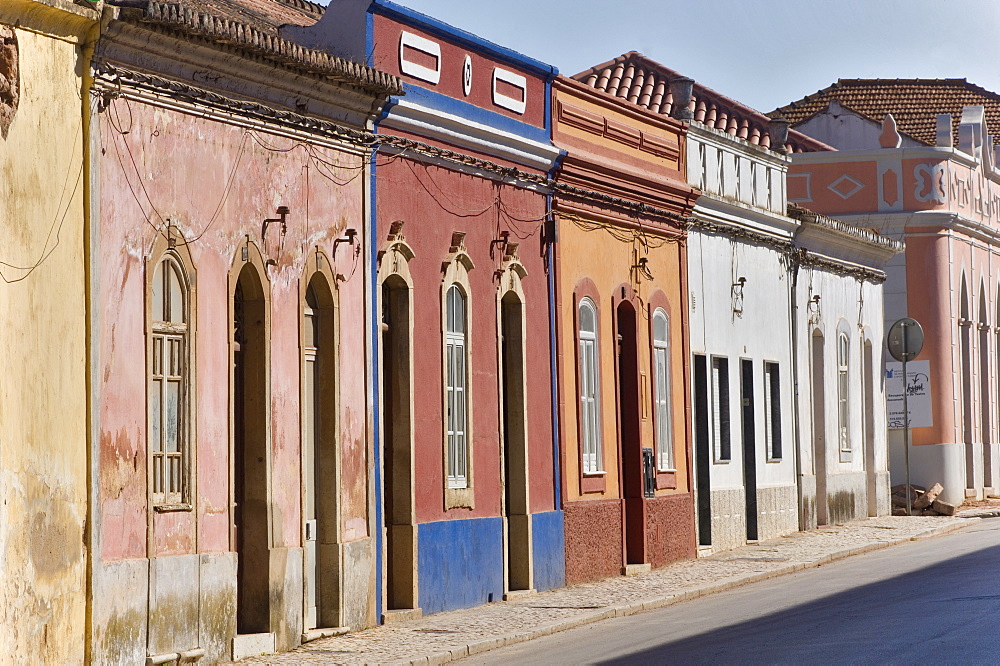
(917, 163)
(622, 334)
(232, 467)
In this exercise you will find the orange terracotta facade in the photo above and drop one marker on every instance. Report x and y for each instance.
(625, 250)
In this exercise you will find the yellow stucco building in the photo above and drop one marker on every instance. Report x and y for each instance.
(43, 389)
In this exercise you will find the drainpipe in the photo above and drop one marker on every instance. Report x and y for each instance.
(793, 310)
(555, 363)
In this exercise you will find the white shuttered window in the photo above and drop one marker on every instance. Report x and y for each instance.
(843, 362)
(661, 394)
(590, 421)
(167, 385)
(456, 395)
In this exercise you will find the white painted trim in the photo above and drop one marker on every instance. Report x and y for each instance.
(516, 80)
(467, 75)
(471, 135)
(877, 154)
(416, 42)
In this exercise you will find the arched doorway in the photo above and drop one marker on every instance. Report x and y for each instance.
(984, 388)
(630, 443)
(868, 384)
(250, 452)
(819, 426)
(515, 439)
(397, 438)
(965, 343)
(320, 457)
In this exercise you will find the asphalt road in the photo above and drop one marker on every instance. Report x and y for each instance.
(935, 602)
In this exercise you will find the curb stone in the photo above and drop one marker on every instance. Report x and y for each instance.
(634, 608)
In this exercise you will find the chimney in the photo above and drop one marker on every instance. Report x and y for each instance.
(681, 91)
(943, 134)
(777, 127)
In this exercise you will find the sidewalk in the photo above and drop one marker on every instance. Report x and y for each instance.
(444, 637)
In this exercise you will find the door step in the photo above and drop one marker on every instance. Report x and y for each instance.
(313, 634)
(252, 645)
(636, 569)
(705, 551)
(397, 615)
(517, 594)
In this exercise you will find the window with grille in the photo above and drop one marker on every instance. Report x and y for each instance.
(590, 420)
(456, 372)
(720, 409)
(168, 384)
(661, 392)
(772, 410)
(843, 394)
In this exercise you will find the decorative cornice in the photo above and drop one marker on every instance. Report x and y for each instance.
(245, 38)
(861, 273)
(111, 81)
(843, 229)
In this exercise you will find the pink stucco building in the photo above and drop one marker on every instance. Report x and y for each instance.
(917, 163)
(232, 473)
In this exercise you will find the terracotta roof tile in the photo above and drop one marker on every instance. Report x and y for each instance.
(913, 103)
(264, 15)
(645, 82)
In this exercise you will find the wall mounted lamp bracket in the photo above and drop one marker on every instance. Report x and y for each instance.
(282, 212)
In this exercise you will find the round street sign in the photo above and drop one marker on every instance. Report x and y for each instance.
(906, 339)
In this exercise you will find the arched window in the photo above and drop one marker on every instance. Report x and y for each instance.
(590, 419)
(661, 393)
(168, 383)
(843, 391)
(456, 399)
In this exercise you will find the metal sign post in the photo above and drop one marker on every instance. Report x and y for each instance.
(906, 339)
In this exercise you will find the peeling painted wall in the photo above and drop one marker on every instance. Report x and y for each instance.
(216, 183)
(43, 451)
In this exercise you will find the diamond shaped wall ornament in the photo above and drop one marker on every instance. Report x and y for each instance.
(845, 187)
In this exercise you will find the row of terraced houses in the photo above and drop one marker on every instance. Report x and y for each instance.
(326, 317)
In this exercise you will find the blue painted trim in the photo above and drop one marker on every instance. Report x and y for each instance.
(471, 112)
(548, 106)
(548, 546)
(460, 563)
(553, 365)
(463, 37)
(369, 39)
(376, 406)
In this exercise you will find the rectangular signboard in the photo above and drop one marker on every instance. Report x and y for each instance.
(918, 389)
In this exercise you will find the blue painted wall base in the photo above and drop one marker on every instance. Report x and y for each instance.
(548, 544)
(460, 563)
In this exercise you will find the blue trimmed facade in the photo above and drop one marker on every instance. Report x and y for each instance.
(458, 551)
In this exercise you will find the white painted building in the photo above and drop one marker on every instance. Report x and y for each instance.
(840, 354)
(741, 344)
(789, 406)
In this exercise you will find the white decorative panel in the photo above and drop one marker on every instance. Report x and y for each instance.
(845, 187)
(506, 101)
(467, 75)
(408, 41)
(890, 185)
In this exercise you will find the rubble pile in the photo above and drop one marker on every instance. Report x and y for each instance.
(923, 501)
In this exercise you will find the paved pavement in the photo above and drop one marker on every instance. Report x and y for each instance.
(445, 637)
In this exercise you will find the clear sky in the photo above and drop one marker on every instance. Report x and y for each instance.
(764, 53)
